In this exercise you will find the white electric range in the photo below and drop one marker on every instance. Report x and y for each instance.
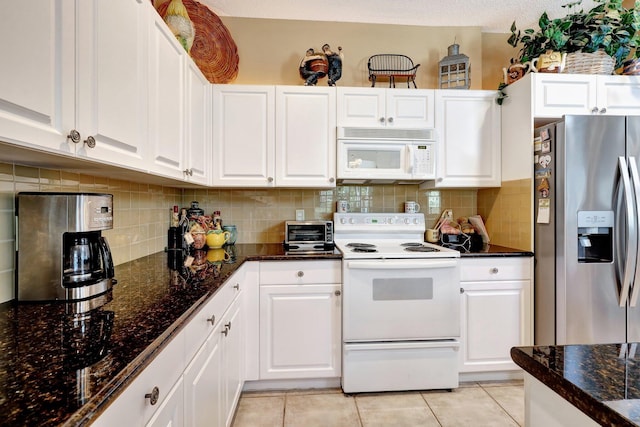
(400, 307)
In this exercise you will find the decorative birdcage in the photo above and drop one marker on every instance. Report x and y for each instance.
(454, 70)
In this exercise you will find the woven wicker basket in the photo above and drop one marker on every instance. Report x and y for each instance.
(589, 63)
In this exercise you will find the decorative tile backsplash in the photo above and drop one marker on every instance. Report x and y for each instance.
(141, 211)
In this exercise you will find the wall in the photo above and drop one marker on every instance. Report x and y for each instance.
(270, 50)
(141, 211)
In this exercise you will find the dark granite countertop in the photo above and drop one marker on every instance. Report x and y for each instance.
(603, 381)
(496, 251)
(51, 374)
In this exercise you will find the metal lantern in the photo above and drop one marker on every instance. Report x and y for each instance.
(454, 70)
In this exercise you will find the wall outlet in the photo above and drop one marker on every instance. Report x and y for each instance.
(299, 214)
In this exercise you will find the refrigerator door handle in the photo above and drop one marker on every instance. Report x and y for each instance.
(635, 179)
(632, 242)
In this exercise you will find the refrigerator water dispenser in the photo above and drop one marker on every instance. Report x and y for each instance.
(595, 236)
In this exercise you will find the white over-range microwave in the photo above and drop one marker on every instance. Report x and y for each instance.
(386, 155)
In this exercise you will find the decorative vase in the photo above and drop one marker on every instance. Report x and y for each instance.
(549, 62)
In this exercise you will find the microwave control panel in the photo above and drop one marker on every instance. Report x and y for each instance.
(423, 160)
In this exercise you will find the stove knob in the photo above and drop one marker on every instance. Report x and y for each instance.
(343, 220)
(390, 221)
(407, 221)
(415, 221)
(352, 221)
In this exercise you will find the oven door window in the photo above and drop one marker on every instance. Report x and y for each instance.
(405, 289)
(398, 300)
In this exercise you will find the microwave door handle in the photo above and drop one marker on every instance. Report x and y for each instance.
(635, 180)
(632, 230)
(410, 159)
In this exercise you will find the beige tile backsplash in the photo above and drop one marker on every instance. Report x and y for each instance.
(141, 211)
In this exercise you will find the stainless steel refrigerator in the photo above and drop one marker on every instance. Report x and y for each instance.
(587, 199)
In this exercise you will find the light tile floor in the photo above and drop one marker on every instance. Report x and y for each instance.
(486, 404)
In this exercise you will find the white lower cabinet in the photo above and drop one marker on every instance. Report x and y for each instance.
(496, 312)
(171, 411)
(197, 379)
(300, 319)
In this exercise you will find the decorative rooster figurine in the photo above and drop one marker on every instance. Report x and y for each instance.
(177, 19)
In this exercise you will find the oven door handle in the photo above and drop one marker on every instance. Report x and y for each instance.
(385, 264)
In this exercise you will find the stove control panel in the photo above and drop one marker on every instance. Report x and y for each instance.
(381, 221)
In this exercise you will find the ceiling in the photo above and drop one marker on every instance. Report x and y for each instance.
(493, 16)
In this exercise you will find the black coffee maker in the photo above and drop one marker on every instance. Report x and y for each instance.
(62, 255)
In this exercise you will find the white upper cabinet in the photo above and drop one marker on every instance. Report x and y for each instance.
(66, 69)
(375, 107)
(112, 79)
(273, 136)
(555, 95)
(305, 136)
(37, 76)
(468, 128)
(166, 100)
(198, 130)
(243, 136)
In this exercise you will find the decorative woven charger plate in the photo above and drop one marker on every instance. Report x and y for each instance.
(213, 50)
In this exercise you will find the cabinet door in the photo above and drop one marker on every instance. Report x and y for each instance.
(166, 100)
(558, 94)
(233, 359)
(203, 380)
(619, 95)
(361, 107)
(493, 320)
(198, 136)
(305, 136)
(468, 126)
(244, 136)
(300, 331)
(410, 108)
(112, 80)
(171, 411)
(37, 76)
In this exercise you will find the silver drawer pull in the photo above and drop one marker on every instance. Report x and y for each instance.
(153, 396)
(300, 273)
(494, 270)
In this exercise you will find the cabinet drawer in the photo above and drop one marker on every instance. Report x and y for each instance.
(300, 272)
(495, 268)
(201, 325)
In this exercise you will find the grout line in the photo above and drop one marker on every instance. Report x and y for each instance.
(498, 403)
(431, 409)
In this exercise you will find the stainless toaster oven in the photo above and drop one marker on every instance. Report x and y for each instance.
(308, 235)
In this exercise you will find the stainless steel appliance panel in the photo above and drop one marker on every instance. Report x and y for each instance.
(587, 295)
(43, 220)
(583, 176)
(633, 150)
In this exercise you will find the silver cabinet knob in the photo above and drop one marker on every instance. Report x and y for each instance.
(338, 293)
(270, 179)
(390, 119)
(594, 110)
(90, 141)
(228, 325)
(212, 319)
(74, 136)
(300, 273)
(225, 331)
(236, 286)
(603, 111)
(153, 396)
(494, 270)
(188, 172)
(462, 290)
(332, 179)
(382, 120)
